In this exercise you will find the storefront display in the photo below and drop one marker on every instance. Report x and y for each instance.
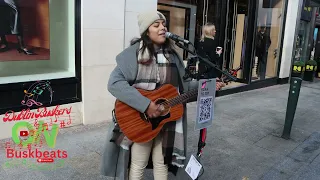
(179, 20)
(267, 40)
(305, 41)
(37, 40)
(51, 30)
(24, 30)
(302, 42)
(249, 31)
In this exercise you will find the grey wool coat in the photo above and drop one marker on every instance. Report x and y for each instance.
(115, 159)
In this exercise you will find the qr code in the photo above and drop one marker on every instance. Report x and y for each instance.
(205, 109)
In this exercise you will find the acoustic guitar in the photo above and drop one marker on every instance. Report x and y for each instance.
(138, 127)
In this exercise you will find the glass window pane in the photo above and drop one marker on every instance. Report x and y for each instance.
(267, 39)
(37, 40)
(302, 42)
(193, 20)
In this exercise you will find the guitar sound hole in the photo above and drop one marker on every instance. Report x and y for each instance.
(165, 105)
(159, 101)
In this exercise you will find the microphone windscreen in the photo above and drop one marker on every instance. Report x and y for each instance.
(168, 34)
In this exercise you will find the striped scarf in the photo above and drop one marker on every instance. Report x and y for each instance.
(150, 73)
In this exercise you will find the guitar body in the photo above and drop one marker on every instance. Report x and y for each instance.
(136, 126)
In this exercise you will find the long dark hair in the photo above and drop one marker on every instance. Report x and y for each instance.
(148, 44)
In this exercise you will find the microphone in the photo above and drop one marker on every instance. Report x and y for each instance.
(176, 38)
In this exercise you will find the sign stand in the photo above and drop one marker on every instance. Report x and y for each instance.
(204, 125)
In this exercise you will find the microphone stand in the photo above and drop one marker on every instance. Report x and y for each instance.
(203, 132)
(226, 73)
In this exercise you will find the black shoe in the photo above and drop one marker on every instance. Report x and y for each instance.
(25, 51)
(6, 48)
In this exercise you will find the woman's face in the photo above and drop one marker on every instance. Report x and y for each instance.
(157, 32)
(214, 31)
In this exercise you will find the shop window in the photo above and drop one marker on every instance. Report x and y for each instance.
(37, 40)
(237, 33)
(230, 19)
(186, 18)
(40, 40)
(301, 52)
(267, 39)
(176, 17)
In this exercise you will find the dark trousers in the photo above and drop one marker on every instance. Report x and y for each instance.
(207, 71)
(262, 66)
(10, 18)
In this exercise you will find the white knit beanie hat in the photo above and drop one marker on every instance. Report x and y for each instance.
(145, 19)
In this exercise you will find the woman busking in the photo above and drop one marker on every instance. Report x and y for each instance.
(148, 63)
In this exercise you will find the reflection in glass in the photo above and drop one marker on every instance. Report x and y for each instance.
(188, 17)
(235, 39)
(263, 42)
(302, 42)
(267, 39)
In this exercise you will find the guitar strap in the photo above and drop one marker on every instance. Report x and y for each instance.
(116, 130)
(181, 87)
(180, 81)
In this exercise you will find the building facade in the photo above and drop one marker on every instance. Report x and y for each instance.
(66, 81)
(299, 42)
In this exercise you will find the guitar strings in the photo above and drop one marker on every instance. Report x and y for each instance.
(181, 98)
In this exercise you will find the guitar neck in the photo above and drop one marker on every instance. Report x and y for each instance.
(183, 97)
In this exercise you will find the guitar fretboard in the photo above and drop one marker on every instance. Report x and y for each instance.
(183, 98)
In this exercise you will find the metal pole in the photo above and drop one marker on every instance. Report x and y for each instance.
(295, 85)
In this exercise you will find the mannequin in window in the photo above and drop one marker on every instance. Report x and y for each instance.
(263, 42)
(10, 24)
(208, 49)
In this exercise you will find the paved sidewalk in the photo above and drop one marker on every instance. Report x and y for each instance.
(244, 141)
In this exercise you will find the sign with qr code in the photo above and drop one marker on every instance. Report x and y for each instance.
(205, 105)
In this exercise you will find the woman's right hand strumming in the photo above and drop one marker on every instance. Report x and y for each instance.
(153, 110)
